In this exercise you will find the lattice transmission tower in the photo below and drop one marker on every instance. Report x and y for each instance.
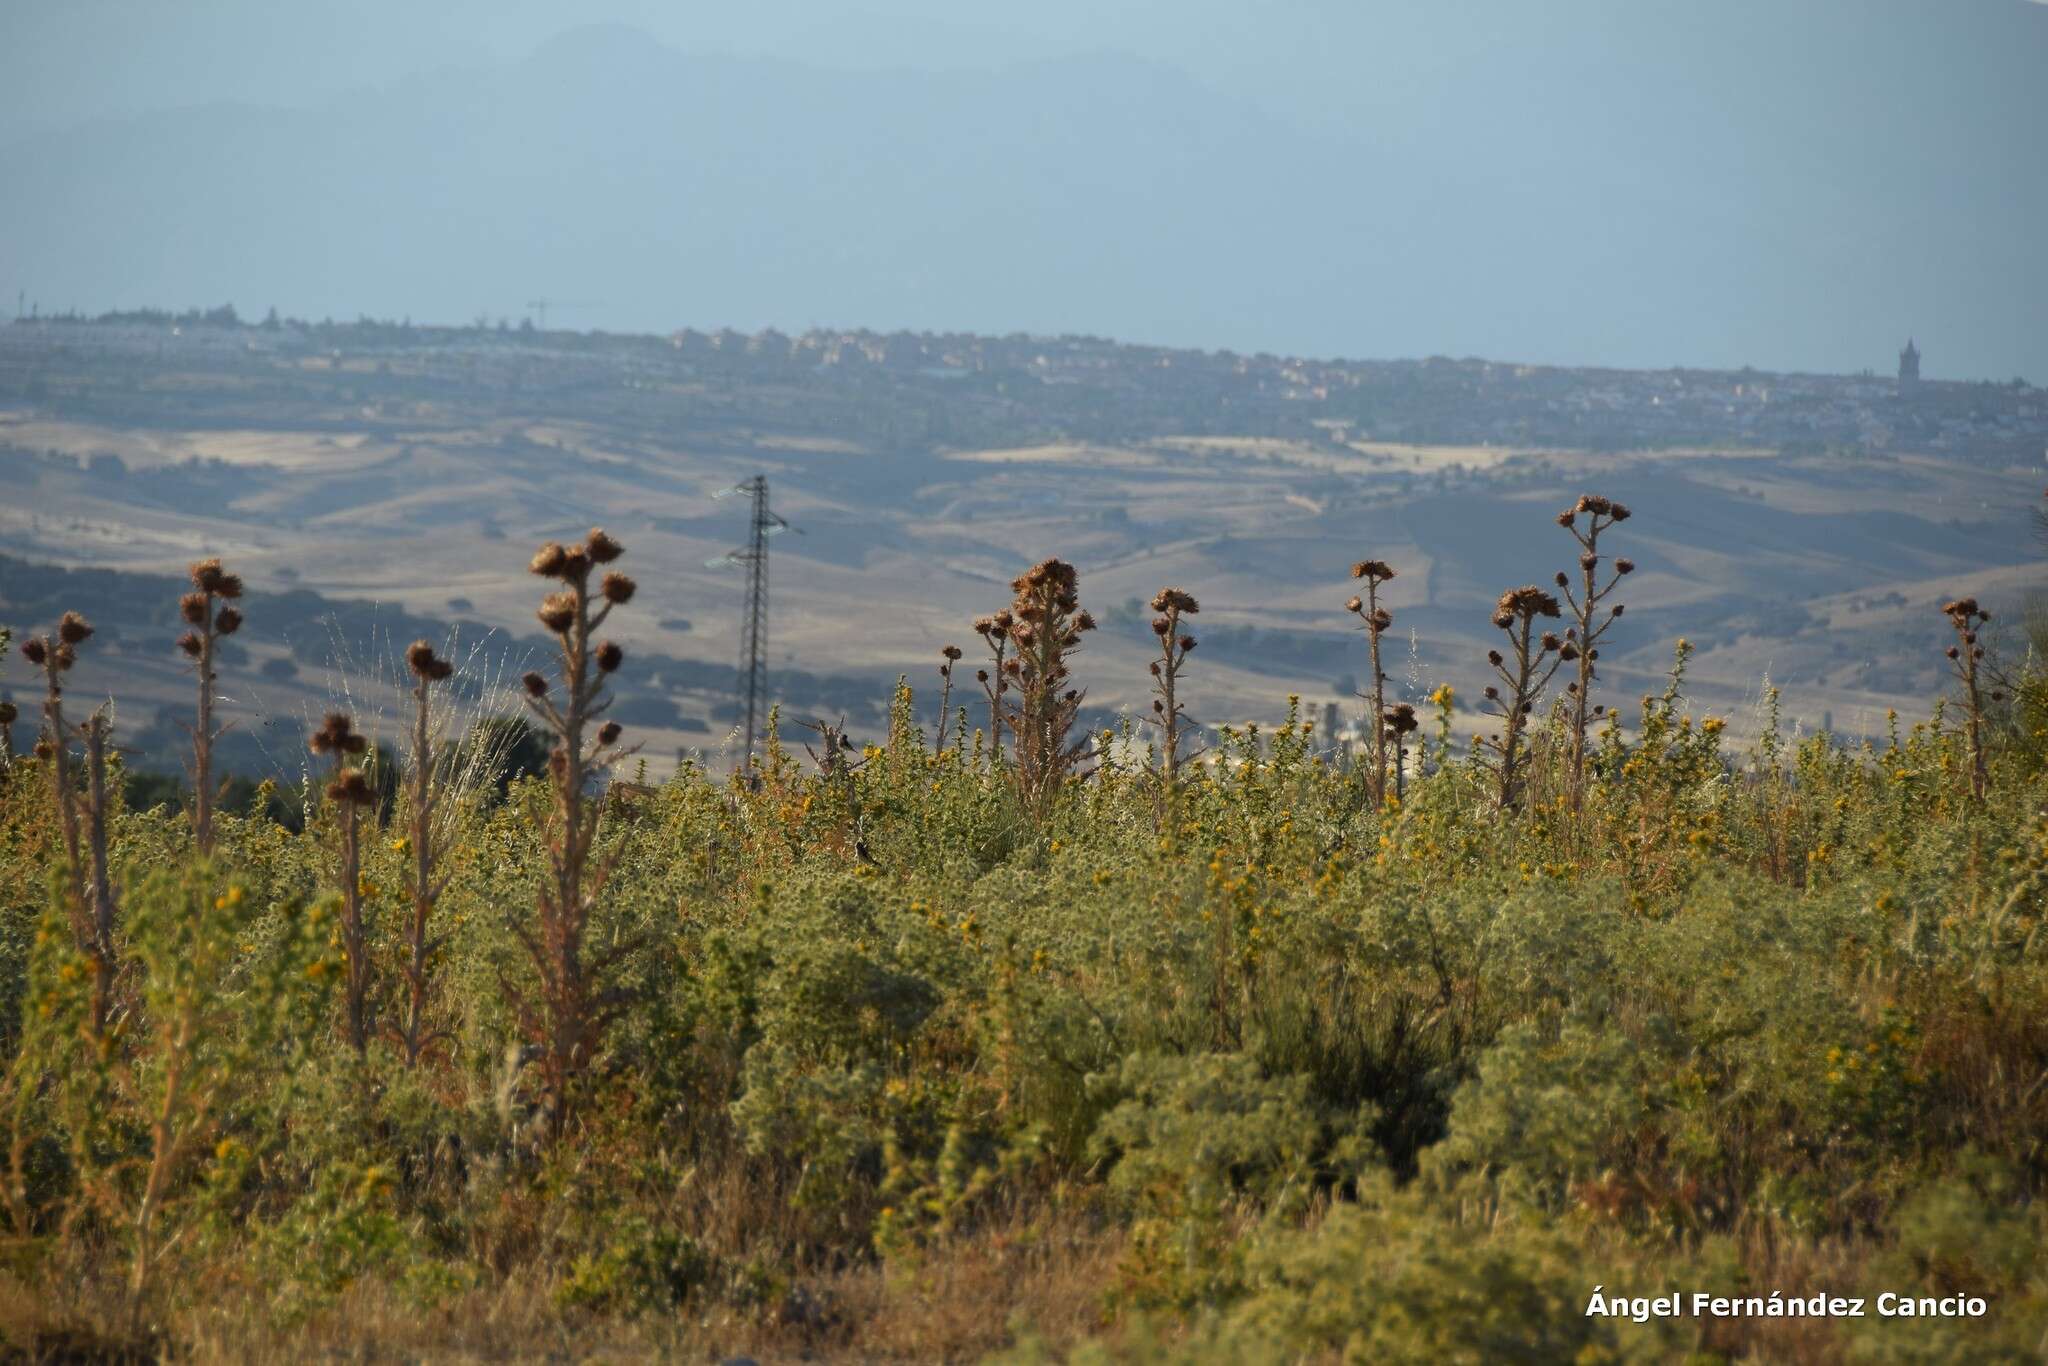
(753, 557)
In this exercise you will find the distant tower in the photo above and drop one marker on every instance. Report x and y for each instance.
(753, 671)
(1909, 368)
(754, 626)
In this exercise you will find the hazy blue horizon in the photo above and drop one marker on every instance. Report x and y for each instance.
(1634, 183)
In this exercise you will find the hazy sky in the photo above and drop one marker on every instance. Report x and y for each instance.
(1313, 59)
(1522, 180)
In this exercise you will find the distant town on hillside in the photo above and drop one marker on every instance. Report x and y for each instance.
(927, 390)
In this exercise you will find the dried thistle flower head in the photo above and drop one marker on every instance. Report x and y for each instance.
(1378, 571)
(1084, 621)
(610, 656)
(1186, 643)
(192, 607)
(35, 650)
(334, 735)
(421, 659)
(1624, 566)
(536, 686)
(951, 652)
(558, 612)
(351, 788)
(1355, 605)
(601, 548)
(618, 588)
(73, 628)
(1526, 601)
(227, 622)
(1172, 600)
(1594, 503)
(209, 577)
(548, 560)
(608, 734)
(1055, 575)
(1161, 626)
(191, 644)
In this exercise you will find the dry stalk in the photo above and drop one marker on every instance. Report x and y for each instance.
(422, 797)
(201, 609)
(1588, 623)
(1376, 620)
(349, 791)
(573, 1009)
(1046, 627)
(1966, 658)
(995, 680)
(1526, 670)
(1169, 713)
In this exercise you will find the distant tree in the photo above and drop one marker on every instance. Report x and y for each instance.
(144, 791)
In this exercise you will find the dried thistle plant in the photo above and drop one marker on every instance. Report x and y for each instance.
(1525, 670)
(1589, 623)
(1397, 723)
(9, 713)
(1046, 627)
(1966, 660)
(209, 610)
(1376, 619)
(348, 792)
(422, 796)
(951, 656)
(1169, 713)
(995, 680)
(89, 906)
(97, 732)
(573, 1009)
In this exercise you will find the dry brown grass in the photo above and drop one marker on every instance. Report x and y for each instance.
(964, 1300)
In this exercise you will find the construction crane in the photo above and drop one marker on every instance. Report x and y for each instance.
(540, 308)
(753, 672)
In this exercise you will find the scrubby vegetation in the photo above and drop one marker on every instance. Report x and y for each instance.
(1042, 1043)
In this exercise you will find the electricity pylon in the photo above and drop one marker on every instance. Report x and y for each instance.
(753, 672)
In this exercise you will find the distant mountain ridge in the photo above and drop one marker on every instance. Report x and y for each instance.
(1790, 186)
